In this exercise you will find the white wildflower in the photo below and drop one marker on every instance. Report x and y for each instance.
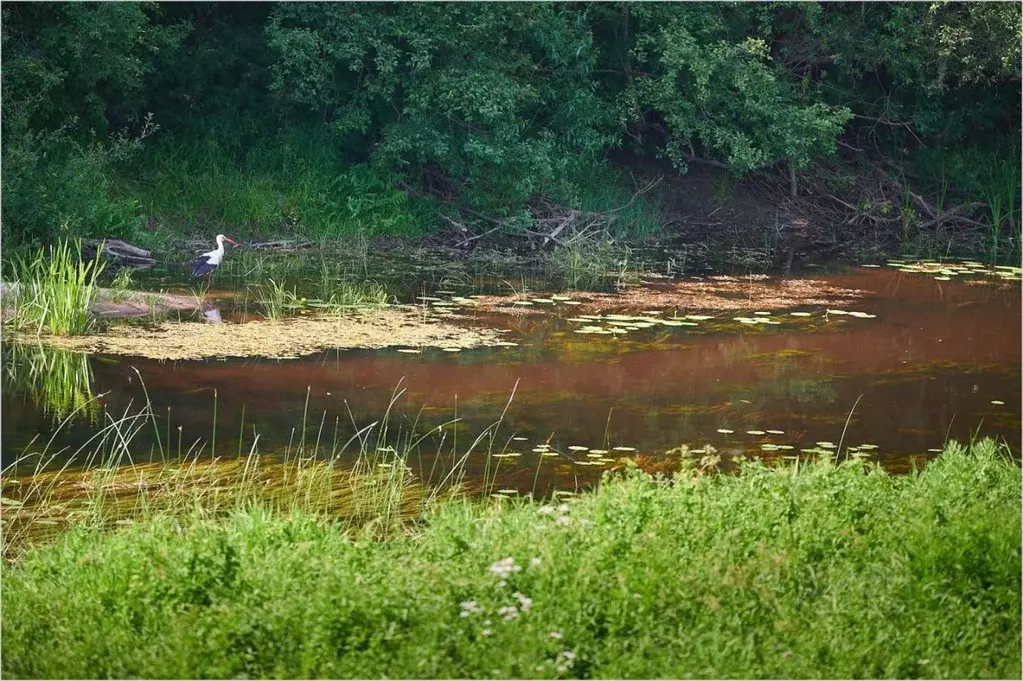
(566, 658)
(487, 632)
(563, 520)
(563, 508)
(545, 510)
(556, 635)
(509, 612)
(524, 601)
(505, 567)
(470, 607)
(534, 562)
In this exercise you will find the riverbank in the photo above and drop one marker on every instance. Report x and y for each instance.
(807, 571)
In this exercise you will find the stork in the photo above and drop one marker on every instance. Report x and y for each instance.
(208, 262)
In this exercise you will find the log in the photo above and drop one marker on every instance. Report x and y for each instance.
(120, 251)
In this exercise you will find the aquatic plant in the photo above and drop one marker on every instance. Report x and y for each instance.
(1002, 194)
(55, 290)
(360, 474)
(349, 296)
(275, 300)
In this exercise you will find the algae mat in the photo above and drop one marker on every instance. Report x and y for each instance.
(285, 339)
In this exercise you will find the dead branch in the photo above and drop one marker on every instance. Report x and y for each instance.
(955, 215)
(120, 251)
(281, 245)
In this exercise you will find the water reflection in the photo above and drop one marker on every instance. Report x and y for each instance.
(60, 382)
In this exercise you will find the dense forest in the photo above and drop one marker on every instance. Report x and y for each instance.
(148, 120)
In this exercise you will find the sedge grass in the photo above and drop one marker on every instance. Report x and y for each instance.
(55, 290)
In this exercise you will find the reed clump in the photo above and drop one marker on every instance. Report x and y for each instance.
(55, 290)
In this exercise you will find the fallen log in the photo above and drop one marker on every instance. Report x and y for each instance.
(120, 252)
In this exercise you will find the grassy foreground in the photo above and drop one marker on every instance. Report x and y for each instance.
(820, 571)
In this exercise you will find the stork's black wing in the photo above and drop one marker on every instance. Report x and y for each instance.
(202, 267)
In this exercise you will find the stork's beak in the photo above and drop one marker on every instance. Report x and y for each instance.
(230, 241)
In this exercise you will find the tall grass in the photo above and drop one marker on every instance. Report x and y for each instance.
(373, 476)
(276, 298)
(814, 570)
(1002, 193)
(55, 290)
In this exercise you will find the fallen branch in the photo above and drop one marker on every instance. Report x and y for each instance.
(284, 244)
(955, 214)
(120, 251)
(477, 236)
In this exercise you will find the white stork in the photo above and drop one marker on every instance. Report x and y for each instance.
(208, 262)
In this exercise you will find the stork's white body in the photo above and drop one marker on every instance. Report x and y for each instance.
(208, 262)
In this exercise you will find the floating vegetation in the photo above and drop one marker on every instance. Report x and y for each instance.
(756, 320)
(947, 270)
(716, 293)
(384, 328)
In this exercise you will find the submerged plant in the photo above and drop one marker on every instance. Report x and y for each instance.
(55, 290)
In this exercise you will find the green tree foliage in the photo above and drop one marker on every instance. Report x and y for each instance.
(490, 105)
(495, 98)
(74, 92)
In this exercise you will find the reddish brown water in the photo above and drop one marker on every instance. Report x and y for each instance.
(927, 368)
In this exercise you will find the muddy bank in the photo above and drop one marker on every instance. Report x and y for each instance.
(111, 303)
(390, 327)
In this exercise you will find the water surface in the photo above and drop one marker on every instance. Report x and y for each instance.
(931, 365)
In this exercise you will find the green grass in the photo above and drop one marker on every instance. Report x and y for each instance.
(289, 184)
(276, 299)
(55, 289)
(817, 571)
